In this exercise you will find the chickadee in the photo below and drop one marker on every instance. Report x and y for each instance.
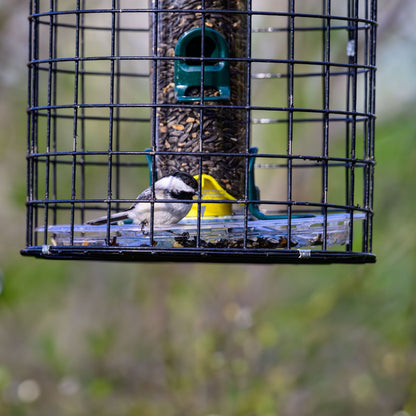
(176, 187)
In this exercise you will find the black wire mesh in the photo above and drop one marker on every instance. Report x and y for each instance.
(299, 181)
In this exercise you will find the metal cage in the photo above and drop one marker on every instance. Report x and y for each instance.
(270, 104)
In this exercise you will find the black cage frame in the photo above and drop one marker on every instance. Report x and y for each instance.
(62, 156)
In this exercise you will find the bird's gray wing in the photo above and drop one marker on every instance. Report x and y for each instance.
(146, 195)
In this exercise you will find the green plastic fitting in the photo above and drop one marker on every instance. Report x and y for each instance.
(188, 70)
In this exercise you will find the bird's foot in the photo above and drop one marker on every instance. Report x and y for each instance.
(144, 231)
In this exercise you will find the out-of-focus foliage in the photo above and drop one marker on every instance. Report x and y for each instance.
(82, 338)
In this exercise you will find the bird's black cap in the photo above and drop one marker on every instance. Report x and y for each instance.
(188, 179)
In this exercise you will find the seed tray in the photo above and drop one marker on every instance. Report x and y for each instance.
(214, 232)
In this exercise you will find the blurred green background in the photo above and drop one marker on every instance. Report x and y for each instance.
(81, 338)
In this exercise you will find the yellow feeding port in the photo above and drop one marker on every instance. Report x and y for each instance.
(211, 190)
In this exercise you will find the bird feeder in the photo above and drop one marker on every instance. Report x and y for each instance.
(269, 105)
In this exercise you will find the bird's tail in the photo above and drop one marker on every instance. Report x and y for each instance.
(120, 216)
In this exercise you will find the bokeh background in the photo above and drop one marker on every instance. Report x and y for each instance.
(81, 338)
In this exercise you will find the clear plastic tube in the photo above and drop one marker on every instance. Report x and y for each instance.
(183, 128)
